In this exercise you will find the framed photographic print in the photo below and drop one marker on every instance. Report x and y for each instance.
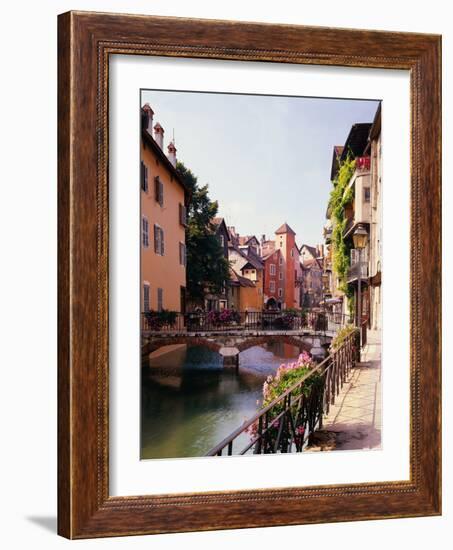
(249, 275)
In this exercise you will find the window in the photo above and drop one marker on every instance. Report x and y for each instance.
(144, 176)
(272, 286)
(160, 299)
(222, 240)
(145, 232)
(281, 244)
(272, 269)
(280, 292)
(366, 194)
(281, 260)
(158, 191)
(158, 240)
(182, 215)
(292, 252)
(182, 254)
(280, 275)
(146, 297)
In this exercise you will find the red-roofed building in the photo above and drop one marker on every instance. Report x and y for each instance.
(285, 242)
(274, 284)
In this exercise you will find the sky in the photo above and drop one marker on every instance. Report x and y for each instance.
(267, 159)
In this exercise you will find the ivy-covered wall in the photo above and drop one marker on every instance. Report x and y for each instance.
(340, 197)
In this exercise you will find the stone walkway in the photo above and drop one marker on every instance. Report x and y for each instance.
(354, 422)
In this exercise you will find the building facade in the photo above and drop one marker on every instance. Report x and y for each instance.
(362, 216)
(245, 264)
(375, 246)
(285, 241)
(274, 286)
(163, 203)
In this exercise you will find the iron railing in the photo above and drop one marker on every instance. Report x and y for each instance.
(287, 423)
(318, 321)
(364, 332)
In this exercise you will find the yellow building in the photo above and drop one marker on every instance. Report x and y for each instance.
(247, 265)
(244, 293)
(164, 200)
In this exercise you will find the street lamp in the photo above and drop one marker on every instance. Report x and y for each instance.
(360, 238)
(325, 288)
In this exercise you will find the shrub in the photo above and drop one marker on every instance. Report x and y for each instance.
(224, 317)
(286, 376)
(284, 321)
(341, 336)
(159, 319)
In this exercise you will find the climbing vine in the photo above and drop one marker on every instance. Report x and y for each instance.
(340, 196)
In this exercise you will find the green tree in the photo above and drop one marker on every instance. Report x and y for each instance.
(207, 268)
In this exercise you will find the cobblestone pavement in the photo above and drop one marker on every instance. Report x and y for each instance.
(354, 422)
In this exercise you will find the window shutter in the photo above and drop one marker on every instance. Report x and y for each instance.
(156, 239)
(156, 188)
(182, 214)
(161, 193)
(145, 179)
(145, 234)
(145, 297)
(162, 248)
(182, 254)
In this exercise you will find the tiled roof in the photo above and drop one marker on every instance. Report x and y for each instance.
(308, 264)
(285, 228)
(244, 239)
(238, 279)
(312, 249)
(253, 259)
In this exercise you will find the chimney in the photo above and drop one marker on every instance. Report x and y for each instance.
(320, 250)
(263, 238)
(149, 113)
(159, 135)
(172, 153)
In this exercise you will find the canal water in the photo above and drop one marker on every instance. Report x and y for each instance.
(190, 402)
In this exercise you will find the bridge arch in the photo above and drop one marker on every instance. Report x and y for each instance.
(297, 341)
(159, 342)
(242, 343)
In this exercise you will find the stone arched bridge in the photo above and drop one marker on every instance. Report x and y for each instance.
(231, 344)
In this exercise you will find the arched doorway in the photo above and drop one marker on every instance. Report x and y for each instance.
(271, 303)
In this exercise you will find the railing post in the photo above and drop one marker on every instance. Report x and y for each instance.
(258, 444)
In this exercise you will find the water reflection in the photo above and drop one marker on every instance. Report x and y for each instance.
(190, 401)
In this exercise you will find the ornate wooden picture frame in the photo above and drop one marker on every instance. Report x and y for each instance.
(85, 507)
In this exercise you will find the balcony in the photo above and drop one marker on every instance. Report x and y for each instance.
(359, 268)
(362, 164)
